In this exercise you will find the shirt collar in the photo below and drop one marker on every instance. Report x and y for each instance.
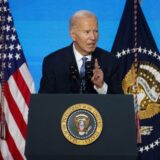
(78, 56)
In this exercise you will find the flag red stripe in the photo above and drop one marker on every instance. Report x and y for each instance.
(1, 158)
(12, 146)
(22, 86)
(15, 111)
(0, 108)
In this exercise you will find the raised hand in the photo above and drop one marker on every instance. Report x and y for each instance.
(98, 76)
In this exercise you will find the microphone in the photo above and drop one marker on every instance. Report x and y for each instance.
(74, 74)
(89, 70)
(73, 71)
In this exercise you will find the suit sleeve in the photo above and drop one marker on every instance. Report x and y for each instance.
(47, 83)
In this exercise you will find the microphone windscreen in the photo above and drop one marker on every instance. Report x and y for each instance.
(89, 70)
(73, 71)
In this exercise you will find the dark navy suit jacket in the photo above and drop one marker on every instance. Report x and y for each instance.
(57, 76)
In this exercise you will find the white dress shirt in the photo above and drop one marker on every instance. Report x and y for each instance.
(78, 56)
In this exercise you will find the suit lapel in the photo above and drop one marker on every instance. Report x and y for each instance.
(71, 61)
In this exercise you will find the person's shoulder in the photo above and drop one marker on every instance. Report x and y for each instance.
(105, 53)
(100, 50)
(58, 53)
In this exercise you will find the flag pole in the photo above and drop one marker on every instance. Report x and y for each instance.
(2, 113)
(135, 11)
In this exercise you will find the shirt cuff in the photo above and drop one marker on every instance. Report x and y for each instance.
(102, 90)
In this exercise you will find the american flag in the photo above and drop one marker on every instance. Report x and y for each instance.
(16, 86)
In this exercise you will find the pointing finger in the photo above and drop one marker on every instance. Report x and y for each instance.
(96, 65)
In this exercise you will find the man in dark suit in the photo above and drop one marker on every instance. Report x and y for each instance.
(81, 67)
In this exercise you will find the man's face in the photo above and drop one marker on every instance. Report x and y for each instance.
(85, 35)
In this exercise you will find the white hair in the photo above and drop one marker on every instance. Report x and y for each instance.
(80, 14)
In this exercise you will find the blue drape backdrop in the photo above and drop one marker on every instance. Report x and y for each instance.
(42, 26)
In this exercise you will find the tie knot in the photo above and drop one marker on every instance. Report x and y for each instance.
(84, 59)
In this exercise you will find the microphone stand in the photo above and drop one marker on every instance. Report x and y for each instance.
(83, 85)
(83, 80)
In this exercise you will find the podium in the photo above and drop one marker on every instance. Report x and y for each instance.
(45, 140)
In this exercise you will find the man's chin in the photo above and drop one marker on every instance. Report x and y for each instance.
(91, 49)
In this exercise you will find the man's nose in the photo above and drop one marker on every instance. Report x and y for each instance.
(93, 35)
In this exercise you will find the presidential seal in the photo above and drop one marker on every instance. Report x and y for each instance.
(81, 124)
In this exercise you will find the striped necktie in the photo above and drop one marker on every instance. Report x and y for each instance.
(83, 69)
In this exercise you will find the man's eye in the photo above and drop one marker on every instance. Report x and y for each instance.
(86, 32)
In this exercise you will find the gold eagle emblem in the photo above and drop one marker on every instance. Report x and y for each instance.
(148, 91)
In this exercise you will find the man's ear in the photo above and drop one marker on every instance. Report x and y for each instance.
(72, 34)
